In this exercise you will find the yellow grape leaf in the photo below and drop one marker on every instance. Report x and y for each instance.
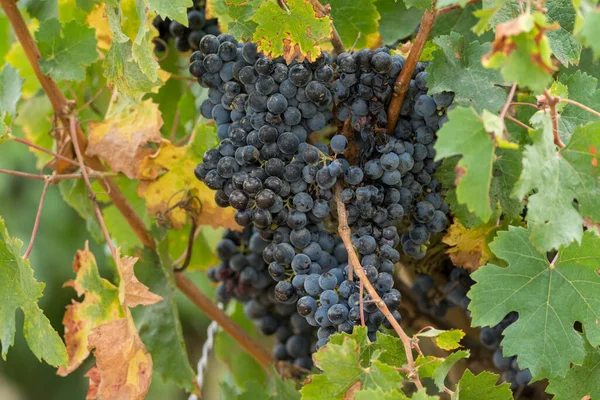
(100, 305)
(103, 322)
(449, 340)
(294, 34)
(468, 247)
(165, 178)
(97, 19)
(122, 139)
(445, 340)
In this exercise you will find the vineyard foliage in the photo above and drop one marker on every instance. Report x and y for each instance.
(106, 102)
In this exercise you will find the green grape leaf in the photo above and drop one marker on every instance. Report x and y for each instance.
(390, 349)
(120, 69)
(397, 20)
(344, 374)
(353, 18)
(282, 389)
(158, 324)
(421, 4)
(42, 10)
(3, 131)
(379, 394)
(10, 90)
(294, 34)
(581, 380)
(447, 3)
(234, 16)
(562, 42)
(173, 9)
(439, 376)
(19, 289)
(445, 340)
(66, 50)
(569, 173)
(583, 89)
(464, 134)
(456, 67)
(75, 193)
(482, 386)
(522, 52)
(85, 5)
(549, 298)
(507, 169)
(590, 31)
(142, 48)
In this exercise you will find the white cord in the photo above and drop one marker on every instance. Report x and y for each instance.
(207, 348)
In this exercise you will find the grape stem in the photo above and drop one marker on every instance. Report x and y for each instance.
(552, 101)
(203, 302)
(576, 103)
(403, 80)
(63, 109)
(336, 41)
(353, 261)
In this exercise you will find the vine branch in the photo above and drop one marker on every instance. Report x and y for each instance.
(403, 80)
(203, 302)
(552, 101)
(344, 232)
(578, 104)
(55, 178)
(63, 108)
(336, 41)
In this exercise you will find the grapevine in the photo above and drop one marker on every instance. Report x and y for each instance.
(364, 200)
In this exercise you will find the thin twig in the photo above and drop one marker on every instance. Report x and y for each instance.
(336, 41)
(175, 125)
(506, 106)
(454, 7)
(203, 302)
(190, 247)
(38, 216)
(344, 232)
(554, 117)
(520, 103)
(56, 178)
(576, 103)
(86, 179)
(516, 121)
(91, 100)
(43, 150)
(62, 108)
(403, 80)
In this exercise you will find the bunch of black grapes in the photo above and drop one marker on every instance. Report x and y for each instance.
(242, 275)
(188, 37)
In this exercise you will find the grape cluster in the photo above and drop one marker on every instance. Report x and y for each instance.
(186, 38)
(242, 275)
(282, 187)
(264, 110)
(491, 337)
(362, 91)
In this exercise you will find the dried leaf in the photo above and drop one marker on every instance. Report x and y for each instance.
(469, 247)
(124, 364)
(122, 139)
(135, 292)
(100, 305)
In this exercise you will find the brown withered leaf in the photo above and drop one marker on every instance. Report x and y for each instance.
(124, 365)
(468, 247)
(123, 140)
(100, 305)
(135, 292)
(102, 321)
